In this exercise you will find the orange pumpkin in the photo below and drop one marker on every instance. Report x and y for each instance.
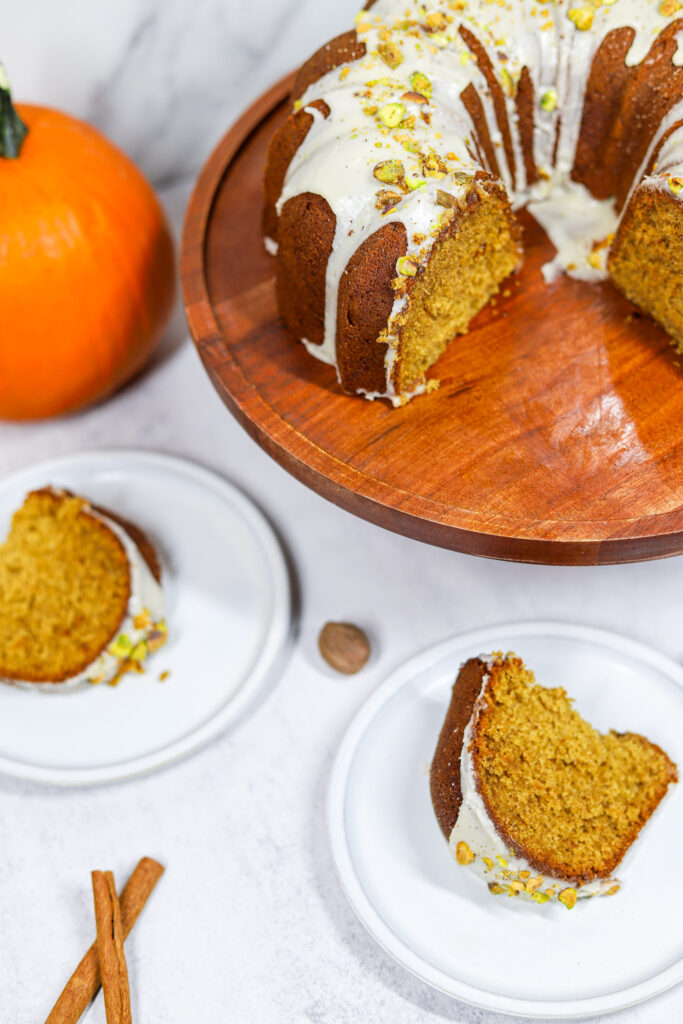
(87, 276)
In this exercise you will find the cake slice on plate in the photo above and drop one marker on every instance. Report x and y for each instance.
(529, 795)
(80, 594)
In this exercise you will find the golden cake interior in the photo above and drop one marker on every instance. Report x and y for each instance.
(478, 250)
(646, 262)
(573, 799)
(64, 589)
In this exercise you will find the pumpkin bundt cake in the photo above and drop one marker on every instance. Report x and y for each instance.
(388, 191)
(80, 594)
(529, 795)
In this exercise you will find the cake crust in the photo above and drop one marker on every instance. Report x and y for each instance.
(444, 776)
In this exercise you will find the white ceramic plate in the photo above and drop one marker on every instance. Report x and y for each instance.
(227, 607)
(437, 919)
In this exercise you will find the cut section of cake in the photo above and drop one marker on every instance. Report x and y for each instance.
(531, 797)
(80, 594)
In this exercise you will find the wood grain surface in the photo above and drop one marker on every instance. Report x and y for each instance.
(556, 435)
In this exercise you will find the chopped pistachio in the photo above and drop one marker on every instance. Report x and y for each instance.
(407, 267)
(420, 83)
(157, 636)
(436, 21)
(121, 647)
(582, 17)
(386, 199)
(390, 172)
(414, 183)
(391, 54)
(668, 8)
(445, 199)
(139, 652)
(568, 897)
(509, 84)
(549, 99)
(495, 888)
(539, 897)
(391, 114)
(675, 184)
(463, 854)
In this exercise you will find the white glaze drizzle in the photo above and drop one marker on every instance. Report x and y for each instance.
(337, 157)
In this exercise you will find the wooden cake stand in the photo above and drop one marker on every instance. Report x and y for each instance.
(556, 435)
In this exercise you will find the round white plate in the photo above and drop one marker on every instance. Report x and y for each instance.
(436, 918)
(228, 612)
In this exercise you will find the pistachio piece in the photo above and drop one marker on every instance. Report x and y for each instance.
(391, 54)
(668, 8)
(568, 897)
(549, 99)
(386, 199)
(420, 83)
(414, 183)
(582, 17)
(139, 652)
(540, 897)
(414, 97)
(391, 114)
(121, 647)
(433, 166)
(495, 888)
(390, 172)
(406, 266)
(675, 184)
(534, 883)
(445, 199)
(488, 862)
(143, 619)
(463, 854)
(344, 647)
(436, 22)
(157, 636)
(509, 84)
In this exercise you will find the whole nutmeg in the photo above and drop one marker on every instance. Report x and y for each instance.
(344, 647)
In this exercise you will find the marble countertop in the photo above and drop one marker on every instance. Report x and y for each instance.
(249, 922)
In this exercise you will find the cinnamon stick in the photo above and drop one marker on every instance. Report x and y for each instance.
(113, 969)
(84, 983)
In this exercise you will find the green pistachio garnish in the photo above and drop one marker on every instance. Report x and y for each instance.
(390, 172)
(420, 83)
(582, 17)
(406, 266)
(121, 647)
(568, 897)
(391, 114)
(391, 54)
(139, 652)
(549, 99)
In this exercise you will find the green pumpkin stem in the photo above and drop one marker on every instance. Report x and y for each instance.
(13, 131)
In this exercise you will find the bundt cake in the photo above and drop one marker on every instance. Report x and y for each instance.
(388, 191)
(529, 795)
(80, 595)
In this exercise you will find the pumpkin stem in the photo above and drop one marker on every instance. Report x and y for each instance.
(13, 131)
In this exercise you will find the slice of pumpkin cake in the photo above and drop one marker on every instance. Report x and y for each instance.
(531, 797)
(80, 594)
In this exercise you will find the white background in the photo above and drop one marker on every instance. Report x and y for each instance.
(249, 922)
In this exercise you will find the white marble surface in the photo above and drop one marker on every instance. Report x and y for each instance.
(249, 923)
(162, 78)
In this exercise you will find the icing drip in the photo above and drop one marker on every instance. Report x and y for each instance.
(378, 115)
